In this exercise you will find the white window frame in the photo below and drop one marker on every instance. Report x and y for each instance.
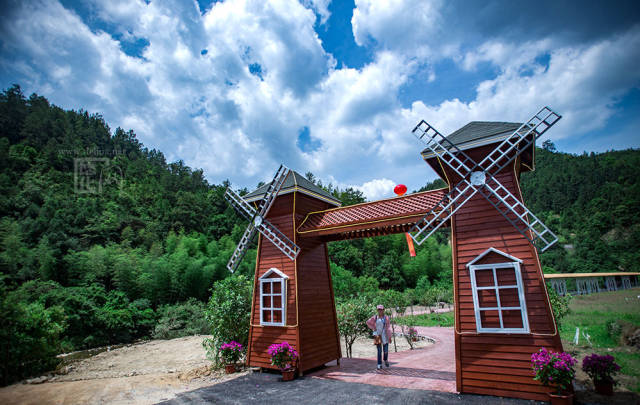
(282, 280)
(496, 288)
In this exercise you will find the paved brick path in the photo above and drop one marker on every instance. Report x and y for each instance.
(430, 368)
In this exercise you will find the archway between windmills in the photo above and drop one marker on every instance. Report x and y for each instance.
(502, 310)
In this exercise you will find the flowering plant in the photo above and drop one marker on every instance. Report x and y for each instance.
(231, 352)
(600, 368)
(553, 368)
(413, 332)
(282, 355)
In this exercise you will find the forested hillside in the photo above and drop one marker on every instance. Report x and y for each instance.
(592, 201)
(86, 263)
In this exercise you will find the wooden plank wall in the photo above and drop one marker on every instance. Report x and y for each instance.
(261, 337)
(319, 341)
(313, 330)
(498, 364)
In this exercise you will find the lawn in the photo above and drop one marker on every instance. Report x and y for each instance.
(437, 319)
(597, 315)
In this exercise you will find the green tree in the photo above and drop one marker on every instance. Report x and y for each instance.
(352, 315)
(228, 314)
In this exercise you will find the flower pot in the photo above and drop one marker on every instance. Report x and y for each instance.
(561, 399)
(230, 368)
(288, 375)
(603, 387)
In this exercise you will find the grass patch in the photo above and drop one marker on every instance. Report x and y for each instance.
(630, 366)
(436, 319)
(592, 313)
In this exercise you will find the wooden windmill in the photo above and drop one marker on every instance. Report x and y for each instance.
(293, 294)
(502, 307)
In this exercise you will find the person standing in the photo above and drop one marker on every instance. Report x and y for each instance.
(381, 327)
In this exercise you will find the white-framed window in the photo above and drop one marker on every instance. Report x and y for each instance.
(498, 296)
(273, 298)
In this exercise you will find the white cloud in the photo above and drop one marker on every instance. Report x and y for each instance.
(582, 83)
(377, 189)
(212, 112)
(321, 7)
(405, 25)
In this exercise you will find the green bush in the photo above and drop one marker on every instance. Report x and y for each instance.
(228, 314)
(559, 304)
(29, 337)
(352, 317)
(185, 319)
(93, 316)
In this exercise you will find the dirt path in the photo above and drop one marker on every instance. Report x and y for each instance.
(144, 373)
(431, 367)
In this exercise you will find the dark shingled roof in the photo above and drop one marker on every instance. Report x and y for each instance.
(478, 133)
(294, 182)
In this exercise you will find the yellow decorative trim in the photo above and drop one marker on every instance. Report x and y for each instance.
(303, 191)
(445, 174)
(255, 280)
(546, 293)
(295, 266)
(578, 275)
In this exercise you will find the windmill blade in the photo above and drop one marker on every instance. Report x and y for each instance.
(444, 209)
(240, 204)
(279, 239)
(518, 214)
(437, 143)
(527, 133)
(272, 190)
(242, 247)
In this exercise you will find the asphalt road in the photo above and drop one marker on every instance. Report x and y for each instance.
(267, 388)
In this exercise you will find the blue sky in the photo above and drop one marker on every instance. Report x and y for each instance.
(333, 87)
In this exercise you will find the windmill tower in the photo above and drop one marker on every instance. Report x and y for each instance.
(502, 307)
(292, 293)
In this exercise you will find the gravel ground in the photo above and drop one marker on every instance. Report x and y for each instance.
(364, 348)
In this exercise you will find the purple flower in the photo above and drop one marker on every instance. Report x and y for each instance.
(553, 368)
(601, 368)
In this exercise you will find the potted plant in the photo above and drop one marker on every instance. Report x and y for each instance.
(284, 357)
(601, 369)
(555, 369)
(413, 334)
(230, 353)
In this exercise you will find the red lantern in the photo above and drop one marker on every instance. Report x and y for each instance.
(400, 189)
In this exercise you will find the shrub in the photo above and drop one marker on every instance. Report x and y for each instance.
(600, 368)
(228, 314)
(559, 304)
(185, 319)
(553, 369)
(282, 355)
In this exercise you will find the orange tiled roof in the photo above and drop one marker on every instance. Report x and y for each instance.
(377, 213)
